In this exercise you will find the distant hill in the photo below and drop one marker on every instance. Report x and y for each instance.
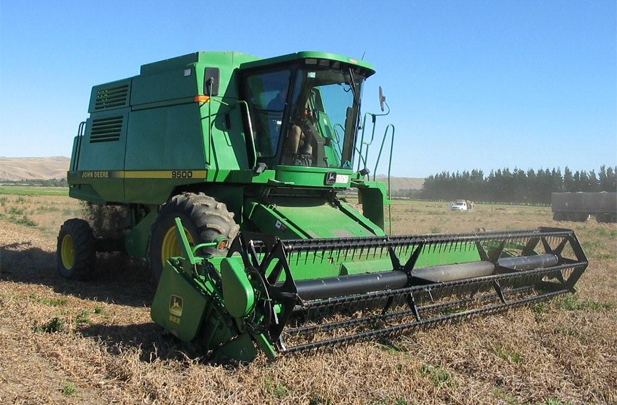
(403, 183)
(33, 168)
(45, 168)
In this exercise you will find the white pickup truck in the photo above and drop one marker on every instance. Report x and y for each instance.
(460, 205)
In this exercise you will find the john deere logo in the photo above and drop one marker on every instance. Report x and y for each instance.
(175, 305)
(330, 178)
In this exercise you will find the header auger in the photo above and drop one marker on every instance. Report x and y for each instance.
(231, 168)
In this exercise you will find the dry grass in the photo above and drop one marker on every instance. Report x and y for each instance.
(79, 343)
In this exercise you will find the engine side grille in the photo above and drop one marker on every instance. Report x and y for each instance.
(111, 97)
(106, 129)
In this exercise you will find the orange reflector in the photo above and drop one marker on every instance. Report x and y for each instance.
(202, 99)
(222, 245)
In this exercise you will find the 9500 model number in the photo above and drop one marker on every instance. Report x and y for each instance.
(181, 174)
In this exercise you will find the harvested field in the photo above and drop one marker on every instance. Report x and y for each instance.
(67, 342)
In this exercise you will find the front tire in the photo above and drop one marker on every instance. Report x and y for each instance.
(204, 220)
(76, 250)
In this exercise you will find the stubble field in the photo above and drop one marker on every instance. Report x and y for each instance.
(65, 342)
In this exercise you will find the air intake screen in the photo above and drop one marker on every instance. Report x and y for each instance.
(106, 129)
(111, 97)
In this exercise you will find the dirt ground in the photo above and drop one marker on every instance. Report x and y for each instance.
(67, 342)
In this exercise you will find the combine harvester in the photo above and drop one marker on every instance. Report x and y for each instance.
(232, 169)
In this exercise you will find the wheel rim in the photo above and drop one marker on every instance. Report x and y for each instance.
(171, 247)
(68, 252)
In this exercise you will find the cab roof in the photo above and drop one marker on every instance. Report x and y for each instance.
(367, 67)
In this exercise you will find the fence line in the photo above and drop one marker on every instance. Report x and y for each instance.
(476, 202)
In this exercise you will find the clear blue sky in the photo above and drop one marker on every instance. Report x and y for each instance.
(472, 84)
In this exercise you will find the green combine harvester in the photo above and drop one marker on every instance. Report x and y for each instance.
(233, 170)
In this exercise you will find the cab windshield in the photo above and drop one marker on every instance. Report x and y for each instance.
(322, 119)
(305, 116)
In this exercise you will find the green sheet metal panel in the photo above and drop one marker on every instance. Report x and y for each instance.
(136, 241)
(262, 218)
(84, 192)
(165, 65)
(349, 210)
(101, 150)
(157, 143)
(238, 293)
(374, 197)
(227, 148)
(104, 141)
(167, 138)
(317, 218)
(225, 143)
(228, 62)
(313, 176)
(178, 304)
(102, 153)
(165, 80)
(183, 76)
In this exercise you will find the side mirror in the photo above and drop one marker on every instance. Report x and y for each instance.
(212, 78)
(382, 99)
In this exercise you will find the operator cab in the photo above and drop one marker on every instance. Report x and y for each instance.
(304, 108)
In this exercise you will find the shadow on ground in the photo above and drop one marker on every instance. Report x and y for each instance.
(150, 339)
(118, 278)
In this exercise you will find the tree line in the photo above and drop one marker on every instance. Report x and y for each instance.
(520, 186)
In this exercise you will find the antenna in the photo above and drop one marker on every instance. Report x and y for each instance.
(364, 53)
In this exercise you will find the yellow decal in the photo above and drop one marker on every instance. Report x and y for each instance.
(144, 174)
(175, 305)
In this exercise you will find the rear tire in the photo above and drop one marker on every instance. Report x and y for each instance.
(76, 250)
(204, 220)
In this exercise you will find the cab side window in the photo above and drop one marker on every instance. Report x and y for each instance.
(267, 93)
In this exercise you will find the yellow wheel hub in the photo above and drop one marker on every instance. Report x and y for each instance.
(171, 247)
(67, 252)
